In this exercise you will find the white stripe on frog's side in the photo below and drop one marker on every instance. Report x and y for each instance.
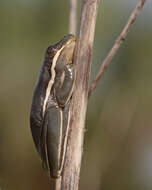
(51, 82)
(48, 91)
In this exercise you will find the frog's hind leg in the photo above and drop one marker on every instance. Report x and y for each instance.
(65, 131)
(52, 140)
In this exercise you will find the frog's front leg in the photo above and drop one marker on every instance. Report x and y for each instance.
(64, 87)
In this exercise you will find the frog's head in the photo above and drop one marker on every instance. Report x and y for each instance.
(64, 46)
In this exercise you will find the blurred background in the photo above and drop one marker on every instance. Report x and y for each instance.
(118, 139)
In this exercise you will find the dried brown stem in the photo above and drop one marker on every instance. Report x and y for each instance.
(116, 45)
(82, 60)
(72, 16)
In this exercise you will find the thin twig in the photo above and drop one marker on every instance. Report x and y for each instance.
(72, 16)
(116, 45)
(78, 106)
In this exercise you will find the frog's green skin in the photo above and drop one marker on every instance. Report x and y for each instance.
(49, 117)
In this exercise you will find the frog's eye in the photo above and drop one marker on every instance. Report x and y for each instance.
(51, 51)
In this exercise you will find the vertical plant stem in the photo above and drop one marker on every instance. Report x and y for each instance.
(72, 16)
(82, 60)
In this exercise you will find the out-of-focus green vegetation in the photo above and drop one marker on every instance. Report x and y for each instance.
(118, 140)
